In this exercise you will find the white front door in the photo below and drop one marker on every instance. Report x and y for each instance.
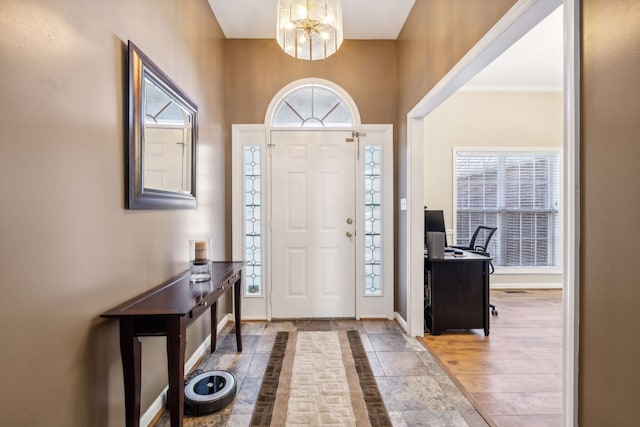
(313, 223)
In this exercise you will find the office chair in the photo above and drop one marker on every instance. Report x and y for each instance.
(482, 249)
(487, 232)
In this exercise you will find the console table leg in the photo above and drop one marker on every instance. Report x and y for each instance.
(237, 296)
(130, 350)
(176, 342)
(214, 325)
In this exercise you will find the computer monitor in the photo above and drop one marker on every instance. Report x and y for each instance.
(434, 221)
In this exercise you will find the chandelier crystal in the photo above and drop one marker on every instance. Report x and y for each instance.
(309, 29)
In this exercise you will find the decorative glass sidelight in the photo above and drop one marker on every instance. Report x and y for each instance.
(253, 220)
(373, 220)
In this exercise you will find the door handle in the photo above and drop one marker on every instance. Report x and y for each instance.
(349, 233)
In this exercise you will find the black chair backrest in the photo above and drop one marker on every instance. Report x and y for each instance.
(482, 231)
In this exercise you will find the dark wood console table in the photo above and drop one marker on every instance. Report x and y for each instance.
(167, 310)
(457, 292)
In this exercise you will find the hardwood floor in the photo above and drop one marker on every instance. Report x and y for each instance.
(513, 376)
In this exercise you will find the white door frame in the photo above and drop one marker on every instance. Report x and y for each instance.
(523, 16)
(259, 307)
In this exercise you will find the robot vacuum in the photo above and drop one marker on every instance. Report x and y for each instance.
(207, 392)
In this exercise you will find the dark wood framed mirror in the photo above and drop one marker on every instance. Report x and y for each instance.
(163, 135)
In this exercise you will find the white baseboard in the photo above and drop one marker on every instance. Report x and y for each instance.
(376, 317)
(401, 322)
(526, 286)
(159, 403)
(253, 318)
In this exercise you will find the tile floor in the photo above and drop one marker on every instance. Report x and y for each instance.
(416, 390)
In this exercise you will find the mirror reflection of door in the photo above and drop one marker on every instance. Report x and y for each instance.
(167, 142)
(166, 155)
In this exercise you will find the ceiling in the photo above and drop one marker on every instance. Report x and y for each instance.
(535, 62)
(362, 19)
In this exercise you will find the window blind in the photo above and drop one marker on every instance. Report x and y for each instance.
(518, 192)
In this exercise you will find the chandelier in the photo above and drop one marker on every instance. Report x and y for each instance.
(309, 29)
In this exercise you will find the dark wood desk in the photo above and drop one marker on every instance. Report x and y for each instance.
(457, 293)
(167, 310)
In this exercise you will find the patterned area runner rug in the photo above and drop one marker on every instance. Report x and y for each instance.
(319, 378)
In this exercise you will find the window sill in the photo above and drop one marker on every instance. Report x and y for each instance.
(527, 270)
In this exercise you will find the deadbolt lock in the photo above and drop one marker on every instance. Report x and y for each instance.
(349, 220)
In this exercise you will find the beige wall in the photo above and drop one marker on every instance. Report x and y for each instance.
(609, 290)
(69, 250)
(488, 119)
(258, 69)
(437, 34)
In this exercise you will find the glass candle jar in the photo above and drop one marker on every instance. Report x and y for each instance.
(200, 254)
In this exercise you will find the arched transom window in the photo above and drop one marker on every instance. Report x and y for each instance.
(313, 105)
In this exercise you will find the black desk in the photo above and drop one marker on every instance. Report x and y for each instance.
(457, 293)
(167, 310)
